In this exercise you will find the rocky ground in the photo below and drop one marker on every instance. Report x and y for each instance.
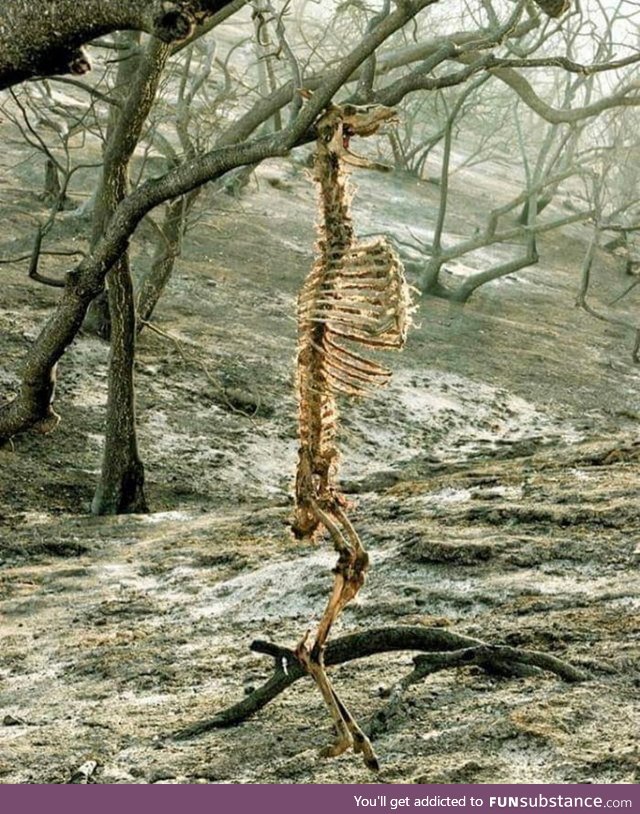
(495, 483)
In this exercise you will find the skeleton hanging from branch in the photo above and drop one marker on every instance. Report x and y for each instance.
(354, 298)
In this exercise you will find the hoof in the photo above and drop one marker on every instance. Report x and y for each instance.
(372, 762)
(362, 745)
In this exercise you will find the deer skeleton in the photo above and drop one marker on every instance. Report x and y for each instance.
(354, 297)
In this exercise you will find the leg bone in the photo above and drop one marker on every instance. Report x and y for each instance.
(349, 578)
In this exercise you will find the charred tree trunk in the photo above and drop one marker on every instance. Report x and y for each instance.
(112, 188)
(541, 204)
(32, 408)
(121, 485)
(265, 56)
(52, 192)
(155, 280)
(429, 280)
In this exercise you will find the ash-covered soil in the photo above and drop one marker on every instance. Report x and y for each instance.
(495, 483)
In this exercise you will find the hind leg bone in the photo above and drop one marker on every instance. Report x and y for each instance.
(349, 578)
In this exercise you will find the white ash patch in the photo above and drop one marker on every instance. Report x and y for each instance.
(439, 414)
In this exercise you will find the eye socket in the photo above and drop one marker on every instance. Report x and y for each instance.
(325, 134)
(349, 110)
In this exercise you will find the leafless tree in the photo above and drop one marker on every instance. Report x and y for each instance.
(390, 55)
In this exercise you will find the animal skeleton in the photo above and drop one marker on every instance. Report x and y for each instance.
(354, 297)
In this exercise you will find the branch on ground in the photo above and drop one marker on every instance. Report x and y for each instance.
(446, 650)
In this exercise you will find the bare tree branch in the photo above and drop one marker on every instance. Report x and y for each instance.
(45, 44)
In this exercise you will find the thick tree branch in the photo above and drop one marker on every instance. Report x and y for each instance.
(46, 39)
(559, 115)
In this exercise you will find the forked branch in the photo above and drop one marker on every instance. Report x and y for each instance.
(442, 649)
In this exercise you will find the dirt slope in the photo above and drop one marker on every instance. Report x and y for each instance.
(495, 483)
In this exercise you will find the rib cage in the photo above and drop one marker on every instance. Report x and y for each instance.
(361, 299)
(352, 300)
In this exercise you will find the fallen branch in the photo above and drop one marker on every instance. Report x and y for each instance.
(446, 650)
(502, 660)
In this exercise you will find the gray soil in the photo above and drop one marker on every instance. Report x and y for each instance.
(495, 484)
